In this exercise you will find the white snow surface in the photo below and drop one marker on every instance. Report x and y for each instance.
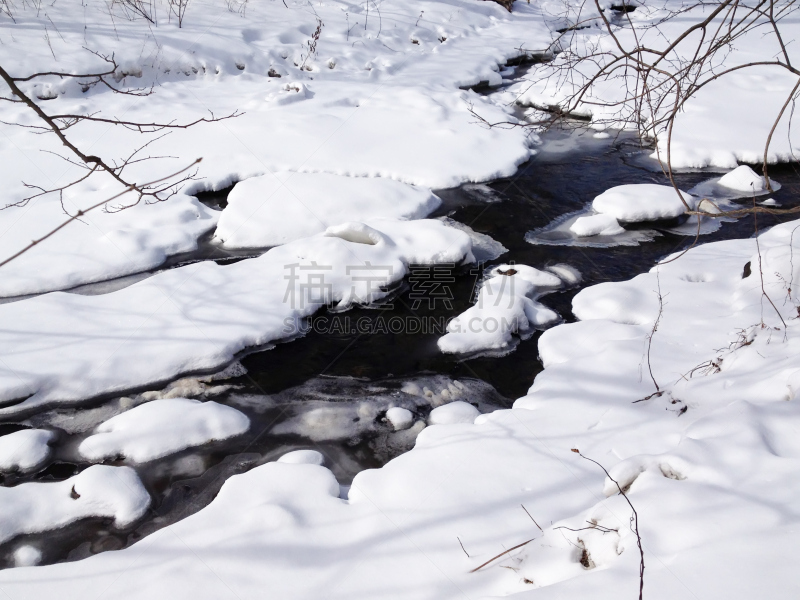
(99, 491)
(455, 412)
(277, 208)
(25, 450)
(724, 122)
(400, 418)
(712, 467)
(636, 202)
(66, 347)
(599, 224)
(380, 99)
(744, 179)
(505, 308)
(302, 457)
(161, 427)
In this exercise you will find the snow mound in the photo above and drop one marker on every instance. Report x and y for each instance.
(400, 418)
(505, 308)
(302, 457)
(744, 179)
(599, 224)
(25, 450)
(99, 491)
(633, 203)
(455, 412)
(278, 208)
(161, 427)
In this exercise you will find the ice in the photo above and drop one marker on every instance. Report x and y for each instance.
(162, 427)
(505, 309)
(302, 457)
(455, 412)
(742, 182)
(560, 233)
(25, 450)
(99, 491)
(600, 224)
(400, 418)
(638, 202)
(281, 207)
(567, 273)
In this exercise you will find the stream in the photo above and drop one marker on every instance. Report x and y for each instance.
(351, 378)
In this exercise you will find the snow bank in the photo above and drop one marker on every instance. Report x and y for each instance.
(722, 124)
(99, 491)
(744, 179)
(281, 207)
(378, 100)
(638, 202)
(25, 450)
(68, 347)
(161, 427)
(505, 308)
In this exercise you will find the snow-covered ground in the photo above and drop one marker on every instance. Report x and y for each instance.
(682, 382)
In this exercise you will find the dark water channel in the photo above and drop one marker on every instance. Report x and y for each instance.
(348, 369)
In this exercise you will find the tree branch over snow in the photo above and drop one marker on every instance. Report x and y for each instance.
(659, 66)
(58, 124)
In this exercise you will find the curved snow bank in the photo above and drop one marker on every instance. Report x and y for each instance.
(104, 246)
(161, 427)
(505, 308)
(68, 347)
(99, 491)
(712, 461)
(277, 208)
(638, 202)
(24, 450)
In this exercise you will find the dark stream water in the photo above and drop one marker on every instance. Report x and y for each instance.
(346, 369)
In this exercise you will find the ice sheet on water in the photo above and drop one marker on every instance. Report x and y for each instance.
(560, 233)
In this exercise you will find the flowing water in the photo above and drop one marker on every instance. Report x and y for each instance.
(351, 378)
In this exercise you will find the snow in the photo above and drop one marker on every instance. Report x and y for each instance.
(505, 308)
(161, 427)
(600, 224)
(453, 413)
(281, 207)
(400, 418)
(744, 179)
(638, 202)
(170, 323)
(380, 100)
(724, 123)
(25, 450)
(302, 457)
(703, 479)
(27, 556)
(709, 454)
(99, 491)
